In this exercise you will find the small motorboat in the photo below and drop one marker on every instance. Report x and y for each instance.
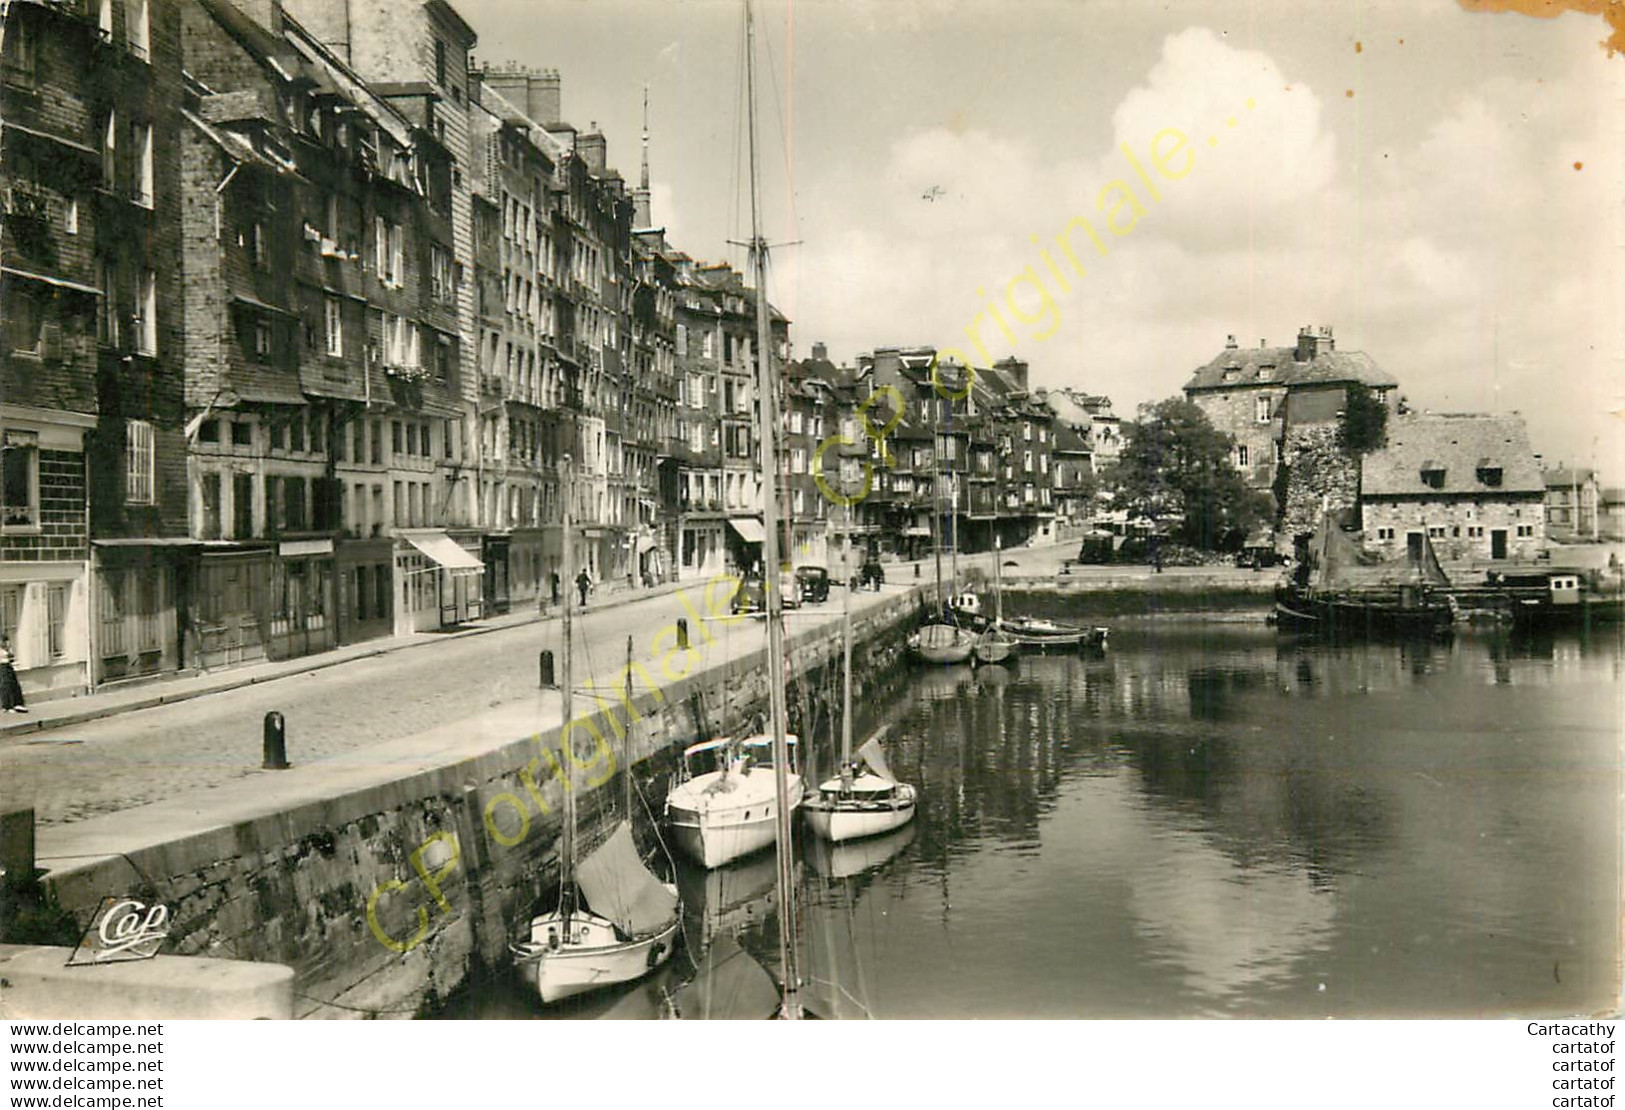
(1036, 634)
(723, 814)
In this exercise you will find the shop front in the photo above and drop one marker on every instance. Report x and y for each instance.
(145, 597)
(366, 591)
(440, 583)
(301, 612)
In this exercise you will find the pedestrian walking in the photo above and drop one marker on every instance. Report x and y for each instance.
(583, 583)
(11, 691)
(553, 580)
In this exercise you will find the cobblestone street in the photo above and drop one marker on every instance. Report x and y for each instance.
(79, 771)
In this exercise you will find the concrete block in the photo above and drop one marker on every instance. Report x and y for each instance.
(36, 983)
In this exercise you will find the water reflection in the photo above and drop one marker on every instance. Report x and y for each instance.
(1218, 820)
(1221, 820)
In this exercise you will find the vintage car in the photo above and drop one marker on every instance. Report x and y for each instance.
(751, 596)
(812, 583)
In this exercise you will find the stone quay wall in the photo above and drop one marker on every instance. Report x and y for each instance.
(386, 891)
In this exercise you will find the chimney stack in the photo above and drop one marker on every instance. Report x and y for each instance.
(594, 150)
(1311, 344)
(1229, 342)
(820, 352)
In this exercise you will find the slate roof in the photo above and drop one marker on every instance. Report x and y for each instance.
(1458, 443)
(1325, 368)
(1568, 477)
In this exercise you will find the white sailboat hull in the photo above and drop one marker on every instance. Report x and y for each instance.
(843, 821)
(592, 956)
(871, 805)
(713, 829)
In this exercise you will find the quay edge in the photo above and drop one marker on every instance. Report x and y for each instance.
(281, 869)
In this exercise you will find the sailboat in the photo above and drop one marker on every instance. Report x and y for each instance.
(940, 640)
(615, 921)
(865, 799)
(995, 644)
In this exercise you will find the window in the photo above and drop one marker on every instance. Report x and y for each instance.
(1526, 531)
(21, 54)
(440, 62)
(1433, 476)
(439, 273)
(242, 434)
(411, 439)
(106, 312)
(110, 150)
(19, 479)
(708, 344)
(25, 319)
(141, 144)
(377, 448)
(279, 435)
(70, 216)
(242, 503)
(296, 432)
(138, 460)
(682, 339)
(399, 517)
(341, 444)
(395, 435)
(1241, 454)
(146, 314)
(335, 327)
(209, 486)
(104, 19)
(1261, 409)
(262, 339)
(209, 432)
(258, 245)
(135, 27)
(1385, 533)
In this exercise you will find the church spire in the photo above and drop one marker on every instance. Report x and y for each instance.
(641, 215)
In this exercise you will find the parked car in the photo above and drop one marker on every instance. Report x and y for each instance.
(752, 594)
(812, 584)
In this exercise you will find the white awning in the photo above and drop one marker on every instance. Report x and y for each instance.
(294, 548)
(445, 551)
(749, 528)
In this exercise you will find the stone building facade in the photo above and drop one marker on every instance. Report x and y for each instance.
(1467, 481)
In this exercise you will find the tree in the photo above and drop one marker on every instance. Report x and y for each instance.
(1175, 471)
(1365, 420)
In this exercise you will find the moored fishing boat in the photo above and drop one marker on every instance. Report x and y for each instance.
(1334, 593)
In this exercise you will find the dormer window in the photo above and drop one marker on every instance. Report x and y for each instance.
(1266, 372)
(1433, 474)
(1489, 472)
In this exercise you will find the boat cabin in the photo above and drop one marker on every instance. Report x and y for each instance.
(732, 754)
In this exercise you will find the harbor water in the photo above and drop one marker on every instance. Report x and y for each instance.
(1213, 819)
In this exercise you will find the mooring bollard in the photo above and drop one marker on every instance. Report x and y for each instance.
(682, 633)
(276, 742)
(544, 663)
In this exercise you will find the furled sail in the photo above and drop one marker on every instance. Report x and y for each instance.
(616, 885)
(875, 756)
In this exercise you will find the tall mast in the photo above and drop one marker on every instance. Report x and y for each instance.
(998, 581)
(936, 499)
(568, 854)
(767, 426)
(846, 653)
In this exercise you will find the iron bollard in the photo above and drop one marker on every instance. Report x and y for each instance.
(544, 663)
(682, 633)
(916, 570)
(276, 742)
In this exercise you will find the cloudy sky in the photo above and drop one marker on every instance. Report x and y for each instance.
(1446, 189)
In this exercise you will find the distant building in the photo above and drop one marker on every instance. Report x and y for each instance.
(1258, 395)
(1572, 500)
(1612, 513)
(1468, 481)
